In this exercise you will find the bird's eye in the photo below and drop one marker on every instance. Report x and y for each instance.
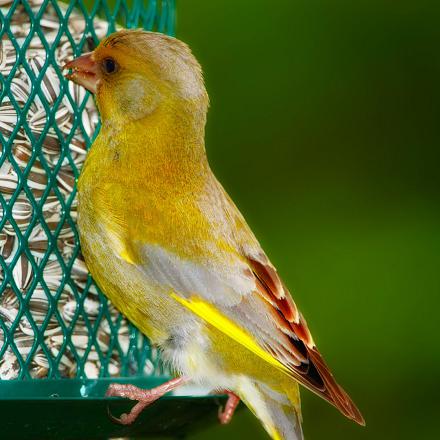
(109, 65)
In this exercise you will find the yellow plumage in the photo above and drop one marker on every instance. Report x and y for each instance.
(170, 249)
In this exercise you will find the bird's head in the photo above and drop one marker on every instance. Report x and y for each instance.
(134, 74)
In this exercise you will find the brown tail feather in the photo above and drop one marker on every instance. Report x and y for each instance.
(333, 392)
(307, 365)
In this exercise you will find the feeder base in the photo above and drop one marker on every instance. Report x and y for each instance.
(78, 409)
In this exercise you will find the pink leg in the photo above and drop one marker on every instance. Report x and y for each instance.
(226, 414)
(144, 397)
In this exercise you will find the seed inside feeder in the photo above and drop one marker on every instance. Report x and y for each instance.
(80, 330)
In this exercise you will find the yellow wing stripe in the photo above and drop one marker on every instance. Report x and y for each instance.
(126, 257)
(275, 434)
(211, 315)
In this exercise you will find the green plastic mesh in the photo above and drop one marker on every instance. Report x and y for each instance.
(54, 322)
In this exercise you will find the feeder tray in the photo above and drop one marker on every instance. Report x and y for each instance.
(61, 341)
(76, 409)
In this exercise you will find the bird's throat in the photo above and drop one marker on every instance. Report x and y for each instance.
(169, 146)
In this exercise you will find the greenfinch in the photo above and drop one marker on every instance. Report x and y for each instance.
(167, 245)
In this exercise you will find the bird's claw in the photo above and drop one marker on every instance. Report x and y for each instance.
(119, 420)
(225, 414)
(143, 397)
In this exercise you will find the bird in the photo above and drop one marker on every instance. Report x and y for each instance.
(166, 244)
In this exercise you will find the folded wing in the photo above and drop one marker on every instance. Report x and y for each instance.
(248, 301)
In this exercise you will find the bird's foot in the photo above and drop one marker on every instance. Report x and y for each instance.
(143, 397)
(225, 414)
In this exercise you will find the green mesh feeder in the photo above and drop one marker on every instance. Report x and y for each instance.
(61, 341)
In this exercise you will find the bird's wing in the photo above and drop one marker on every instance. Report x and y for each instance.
(235, 288)
(264, 318)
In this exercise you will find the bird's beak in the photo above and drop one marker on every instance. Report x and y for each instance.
(85, 72)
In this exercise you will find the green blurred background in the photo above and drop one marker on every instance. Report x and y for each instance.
(324, 127)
